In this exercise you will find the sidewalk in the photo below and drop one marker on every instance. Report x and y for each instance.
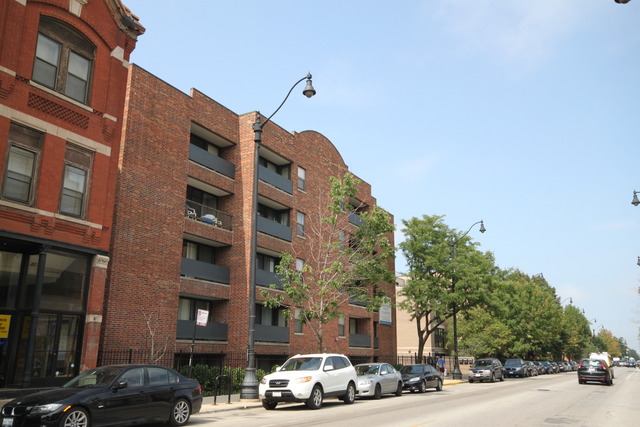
(235, 403)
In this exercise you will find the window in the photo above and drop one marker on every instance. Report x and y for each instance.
(439, 338)
(205, 145)
(198, 252)
(299, 264)
(266, 262)
(302, 179)
(341, 331)
(270, 316)
(279, 216)
(74, 185)
(64, 59)
(188, 308)
(300, 224)
(25, 146)
(297, 322)
(282, 170)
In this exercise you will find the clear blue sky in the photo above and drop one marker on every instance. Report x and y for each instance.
(525, 114)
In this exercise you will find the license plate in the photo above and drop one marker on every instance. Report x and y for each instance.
(478, 375)
(7, 422)
(276, 394)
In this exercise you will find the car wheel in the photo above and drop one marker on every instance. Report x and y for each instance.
(269, 405)
(501, 376)
(581, 382)
(350, 395)
(439, 386)
(399, 389)
(470, 381)
(493, 377)
(315, 400)
(378, 392)
(76, 417)
(180, 413)
(610, 381)
(423, 387)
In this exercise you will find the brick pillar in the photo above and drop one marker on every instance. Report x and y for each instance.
(93, 321)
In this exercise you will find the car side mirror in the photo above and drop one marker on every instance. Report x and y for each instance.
(119, 385)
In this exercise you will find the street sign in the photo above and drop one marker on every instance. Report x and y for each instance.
(203, 316)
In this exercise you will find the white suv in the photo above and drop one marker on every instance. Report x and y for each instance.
(309, 378)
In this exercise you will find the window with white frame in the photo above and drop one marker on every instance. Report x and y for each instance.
(341, 323)
(64, 59)
(300, 224)
(24, 149)
(77, 169)
(302, 178)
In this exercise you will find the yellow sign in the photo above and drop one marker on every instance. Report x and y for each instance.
(5, 319)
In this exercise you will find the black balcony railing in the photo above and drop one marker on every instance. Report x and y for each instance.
(277, 334)
(360, 340)
(205, 271)
(275, 179)
(274, 229)
(211, 161)
(213, 331)
(207, 215)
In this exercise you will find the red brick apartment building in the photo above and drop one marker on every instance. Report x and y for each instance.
(182, 238)
(63, 76)
(125, 207)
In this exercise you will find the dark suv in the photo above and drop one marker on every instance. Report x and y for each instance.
(486, 369)
(595, 370)
(516, 368)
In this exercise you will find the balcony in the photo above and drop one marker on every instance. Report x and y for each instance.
(211, 161)
(360, 340)
(277, 334)
(204, 271)
(212, 332)
(354, 301)
(207, 215)
(267, 278)
(274, 229)
(277, 180)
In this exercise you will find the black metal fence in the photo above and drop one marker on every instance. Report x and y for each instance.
(265, 362)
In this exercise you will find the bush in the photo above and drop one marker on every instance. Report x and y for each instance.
(207, 375)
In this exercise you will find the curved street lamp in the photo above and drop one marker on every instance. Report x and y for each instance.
(457, 375)
(249, 388)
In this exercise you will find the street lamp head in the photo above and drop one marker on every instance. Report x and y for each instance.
(622, 1)
(639, 260)
(482, 229)
(635, 201)
(309, 91)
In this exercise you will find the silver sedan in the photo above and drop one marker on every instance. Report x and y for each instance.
(376, 379)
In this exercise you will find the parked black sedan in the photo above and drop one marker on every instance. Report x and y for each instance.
(110, 395)
(421, 377)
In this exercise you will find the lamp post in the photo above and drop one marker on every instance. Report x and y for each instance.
(570, 301)
(457, 375)
(249, 388)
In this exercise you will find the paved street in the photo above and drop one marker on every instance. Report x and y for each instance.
(538, 401)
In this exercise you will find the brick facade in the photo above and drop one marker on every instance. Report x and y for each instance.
(37, 225)
(145, 270)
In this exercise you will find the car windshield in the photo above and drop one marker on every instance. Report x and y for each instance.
(483, 362)
(367, 369)
(512, 362)
(94, 378)
(302, 364)
(412, 369)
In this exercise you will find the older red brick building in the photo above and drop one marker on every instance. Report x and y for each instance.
(63, 74)
(183, 231)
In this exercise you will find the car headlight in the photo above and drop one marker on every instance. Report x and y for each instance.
(263, 380)
(365, 382)
(45, 409)
(414, 379)
(302, 380)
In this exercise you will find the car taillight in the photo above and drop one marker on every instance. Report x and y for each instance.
(603, 365)
(199, 388)
(581, 363)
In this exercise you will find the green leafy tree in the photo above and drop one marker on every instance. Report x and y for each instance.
(342, 264)
(576, 333)
(437, 281)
